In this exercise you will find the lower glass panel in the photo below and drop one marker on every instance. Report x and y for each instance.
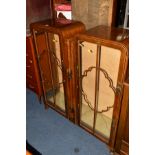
(87, 116)
(103, 125)
(60, 99)
(57, 98)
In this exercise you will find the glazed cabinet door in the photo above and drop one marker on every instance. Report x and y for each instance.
(51, 67)
(100, 68)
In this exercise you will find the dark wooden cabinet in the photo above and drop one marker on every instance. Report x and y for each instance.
(53, 52)
(32, 73)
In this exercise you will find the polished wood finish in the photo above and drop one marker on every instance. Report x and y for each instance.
(122, 141)
(117, 39)
(32, 74)
(70, 34)
(65, 30)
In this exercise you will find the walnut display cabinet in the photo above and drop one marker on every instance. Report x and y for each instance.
(52, 45)
(101, 69)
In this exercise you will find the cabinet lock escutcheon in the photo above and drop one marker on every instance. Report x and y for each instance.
(69, 73)
(119, 89)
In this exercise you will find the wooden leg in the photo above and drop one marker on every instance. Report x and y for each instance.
(39, 98)
(46, 106)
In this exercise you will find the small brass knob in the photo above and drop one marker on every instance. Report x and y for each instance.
(90, 51)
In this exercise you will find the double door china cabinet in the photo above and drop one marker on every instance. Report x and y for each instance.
(82, 73)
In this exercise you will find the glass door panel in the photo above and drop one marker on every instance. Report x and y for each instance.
(106, 98)
(51, 67)
(56, 94)
(103, 125)
(88, 83)
(110, 59)
(99, 72)
(42, 54)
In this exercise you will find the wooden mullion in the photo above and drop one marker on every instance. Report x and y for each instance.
(97, 79)
(50, 64)
(40, 72)
(80, 77)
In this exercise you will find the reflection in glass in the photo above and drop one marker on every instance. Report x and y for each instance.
(56, 94)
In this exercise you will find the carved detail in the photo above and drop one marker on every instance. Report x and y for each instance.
(110, 85)
(58, 62)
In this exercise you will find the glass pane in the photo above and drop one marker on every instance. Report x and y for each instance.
(44, 60)
(87, 114)
(103, 124)
(56, 94)
(88, 83)
(110, 59)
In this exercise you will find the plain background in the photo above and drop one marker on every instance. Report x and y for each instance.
(13, 77)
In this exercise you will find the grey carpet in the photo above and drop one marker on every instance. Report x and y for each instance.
(52, 134)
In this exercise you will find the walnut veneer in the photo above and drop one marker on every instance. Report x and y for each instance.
(83, 73)
(102, 68)
(54, 56)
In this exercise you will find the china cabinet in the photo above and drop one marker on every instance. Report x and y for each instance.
(101, 70)
(82, 74)
(52, 45)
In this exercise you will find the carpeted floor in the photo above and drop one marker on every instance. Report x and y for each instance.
(52, 134)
